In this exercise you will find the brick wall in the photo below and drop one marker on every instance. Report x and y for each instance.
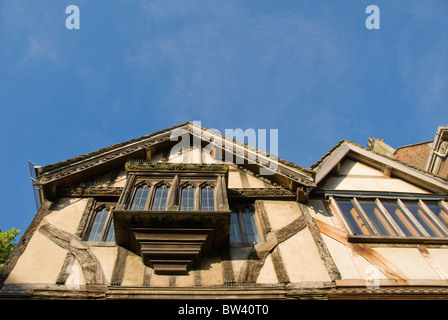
(415, 155)
(444, 169)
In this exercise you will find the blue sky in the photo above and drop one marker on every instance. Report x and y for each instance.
(310, 69)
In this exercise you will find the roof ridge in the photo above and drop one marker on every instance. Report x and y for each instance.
(64, 163)
(326, 155)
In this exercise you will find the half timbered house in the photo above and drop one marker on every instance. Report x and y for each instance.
(149, 219)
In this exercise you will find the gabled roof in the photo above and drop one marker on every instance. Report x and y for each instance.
(345, 148)
(65, 172)
(287, 174)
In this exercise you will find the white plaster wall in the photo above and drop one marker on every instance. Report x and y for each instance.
(234, 178)
(67, 214)
(351, 167)
(301, 258)
(134, 271)
(41, 262)
(106, 257)
(238, 257)
(318, 211)
(255, 182)
(158, 280)
(185, 280)
(440, 258)
(342, 257)
(358, 176)
(410, 262)
(267, 273)
(281, 213)
(120, 181)
(211, 271)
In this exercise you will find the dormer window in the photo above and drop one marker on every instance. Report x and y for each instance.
(172, 214)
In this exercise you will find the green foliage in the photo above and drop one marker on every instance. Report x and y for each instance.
(7, 244)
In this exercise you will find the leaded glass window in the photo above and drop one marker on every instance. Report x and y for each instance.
(101, 221)
(160, 198)
(207, 199)
(140, 198)
(250, 226)
(98, 225)
(110, 237)
(243, 227)
(235, 230)
(187, 199)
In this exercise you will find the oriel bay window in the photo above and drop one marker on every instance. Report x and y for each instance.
(393, 219)
(191, 196)
(172, 214)
(146, 197)
(174, 187)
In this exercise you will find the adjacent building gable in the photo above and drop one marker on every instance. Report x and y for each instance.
(430, 156)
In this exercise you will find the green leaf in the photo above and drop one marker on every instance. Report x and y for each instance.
(7, 244)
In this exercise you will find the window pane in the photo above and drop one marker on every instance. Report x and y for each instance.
(406, 225)
(98, 225)
(187, 200)
(423, 219)
(140, 198)
(160, 198)
(111, 232)
(208, 202)
(250, 226)
(235, 231)
(438, 211)
(378, 220)
(353, 218)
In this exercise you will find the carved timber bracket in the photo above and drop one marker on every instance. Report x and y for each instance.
(171, 242)
(258, 193)
(171, 250)
(190, 167)
(89, 191)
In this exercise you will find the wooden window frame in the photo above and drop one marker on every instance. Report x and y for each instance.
(239, 211)
(423, 236)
